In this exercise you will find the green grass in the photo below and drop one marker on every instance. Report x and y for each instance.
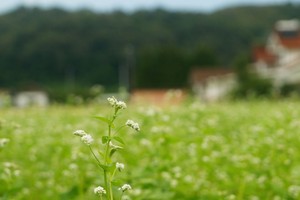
(241, 150)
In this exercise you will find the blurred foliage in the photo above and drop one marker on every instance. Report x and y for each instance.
(250, 84)
(55, 47)
(237, 150)
(290, 90)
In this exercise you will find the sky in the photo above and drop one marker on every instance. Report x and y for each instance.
(132, 5)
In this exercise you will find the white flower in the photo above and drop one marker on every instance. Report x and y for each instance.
(99, 190)
(115, 103)
(120, 166)
(125, 187)
(294, 190)
(79, 133)
(87, 139)
(3, 142)
(133, 125)
(121, 105)
(112, 101)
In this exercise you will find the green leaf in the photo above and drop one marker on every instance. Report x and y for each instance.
(119, 139)
(112, 152)
(103, 119)
(105, 139)
(106, 167)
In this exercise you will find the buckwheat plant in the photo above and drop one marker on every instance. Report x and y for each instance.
(8, 170)
(110, 145)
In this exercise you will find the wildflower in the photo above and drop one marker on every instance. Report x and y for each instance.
(79, 133)
(115, 103)
(87, 139)
(125, 187)
(133, 125)
(120, 166)
(121, 105)
(112, 101)
(3, 142)
(99, 190)
(294, 190)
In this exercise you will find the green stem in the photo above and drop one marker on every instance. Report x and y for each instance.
(111, 192)
(107, 152)
(116, 132)
(107, 186)
(109, 131)
(107, 145)
(94, 155)
(113, 174)
(107, 174)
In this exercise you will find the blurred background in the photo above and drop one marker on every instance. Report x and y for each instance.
(73, 54)
(72, 51)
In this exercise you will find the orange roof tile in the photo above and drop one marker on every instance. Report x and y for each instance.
(291, 43)
(158, 97)
(261, 53)
(201, 74)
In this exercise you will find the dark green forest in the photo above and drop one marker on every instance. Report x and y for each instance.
(55, 48)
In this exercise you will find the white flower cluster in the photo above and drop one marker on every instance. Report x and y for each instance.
(79, 133)
(3, 142)
(125, 187)
(86, 138)
(294, 191)
(10, 170)
(120, 166)
(99, 190)
(116, 104)
(133, 125)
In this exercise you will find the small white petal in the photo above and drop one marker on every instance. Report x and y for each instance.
(87, 139)
(79, 133)
(99, 190)
(120, 166)
(125, 187)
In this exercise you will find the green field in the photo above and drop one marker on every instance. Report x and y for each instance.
(240, 150)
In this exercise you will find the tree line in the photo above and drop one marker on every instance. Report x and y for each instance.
(54, 48)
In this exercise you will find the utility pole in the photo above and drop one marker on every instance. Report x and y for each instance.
(126, 70)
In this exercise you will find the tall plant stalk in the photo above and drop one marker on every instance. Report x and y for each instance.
(107, 164)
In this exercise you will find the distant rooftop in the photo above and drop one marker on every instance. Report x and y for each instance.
(288, 32)
(260, 53)
(202, 74)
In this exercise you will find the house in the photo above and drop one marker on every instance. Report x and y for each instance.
(212, 84)
(31, 98)
(158, 97)
(279, 58)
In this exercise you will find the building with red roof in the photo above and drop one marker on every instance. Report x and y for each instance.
(279, 59)
(212, 83)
